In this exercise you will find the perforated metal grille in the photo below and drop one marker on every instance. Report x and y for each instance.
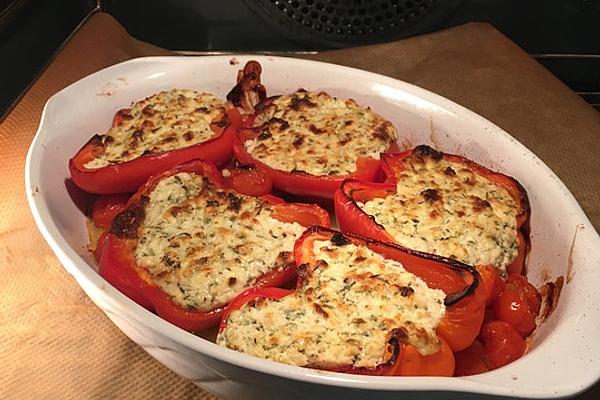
(337, 23)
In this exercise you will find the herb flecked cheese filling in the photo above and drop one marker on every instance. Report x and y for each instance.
(203, 245)
(165, 121)
(318, 134)
(342, 315)
(444, 208)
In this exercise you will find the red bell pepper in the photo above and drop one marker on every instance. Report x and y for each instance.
(249, 91)
(491, 281)
(273, 293)
(464, 301)
(411, 363)
(301, 183)
(128, 176)
(107, 207)
(250, 180)
(118, 265)
(353, 219)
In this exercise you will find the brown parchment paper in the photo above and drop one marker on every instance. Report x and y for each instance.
(54, 343)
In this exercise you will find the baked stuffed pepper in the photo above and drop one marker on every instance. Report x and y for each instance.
(309, 142)
(186, 244)
(153, 135)
(442, 204)
(450, 206)
(360, 306)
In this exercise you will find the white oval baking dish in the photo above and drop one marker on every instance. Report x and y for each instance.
(564, 355)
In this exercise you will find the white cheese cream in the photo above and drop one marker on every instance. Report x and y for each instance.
(318, 134)
(444, 208)
(203, 246)
(342, 315)
(165, 121)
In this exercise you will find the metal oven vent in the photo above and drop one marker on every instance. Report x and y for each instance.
(339, 23)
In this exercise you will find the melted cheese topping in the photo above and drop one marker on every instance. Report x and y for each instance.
(444, 208)
(342, 315)
(162, 122)
(318, 134)
(203, 246)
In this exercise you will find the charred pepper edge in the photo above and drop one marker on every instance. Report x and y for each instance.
(393, 348)
(457, 266)
(125, 225)
(248, 88)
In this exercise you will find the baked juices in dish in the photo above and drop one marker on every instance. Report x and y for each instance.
(186, 244)
(449, 206)
(309, 142)
(360, 306)
(153, 135)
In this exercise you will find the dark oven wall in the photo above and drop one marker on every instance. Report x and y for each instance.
(563, 35)
(31, 31)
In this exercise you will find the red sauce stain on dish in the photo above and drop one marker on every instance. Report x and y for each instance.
(233, 61)
(550, 293)
(570, 265)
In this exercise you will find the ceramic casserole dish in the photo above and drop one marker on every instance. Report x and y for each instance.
(564, 352)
